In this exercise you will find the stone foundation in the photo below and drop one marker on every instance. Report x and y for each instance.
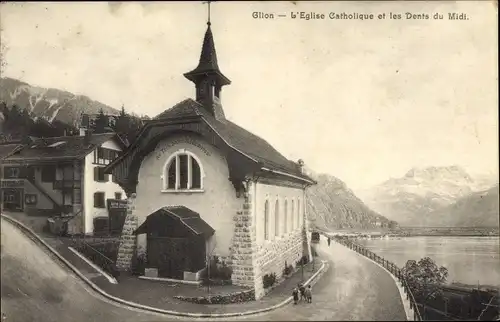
(128, 241)
(244, 249)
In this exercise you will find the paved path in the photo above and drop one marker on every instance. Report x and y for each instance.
(36, 288)
(353, 289)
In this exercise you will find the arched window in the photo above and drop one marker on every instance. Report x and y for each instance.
(183, 172)
(294, 224)
(285, 222)
(299, 214)
(266, 220)
(277, 218)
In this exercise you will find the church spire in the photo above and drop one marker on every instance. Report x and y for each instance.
(207, 76)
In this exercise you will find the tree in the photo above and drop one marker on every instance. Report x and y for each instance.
(101, 122)
(393, 224)
(425, 278)
(122, 124)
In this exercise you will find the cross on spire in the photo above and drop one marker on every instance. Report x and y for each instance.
(208, 3)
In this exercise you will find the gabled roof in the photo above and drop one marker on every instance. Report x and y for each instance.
(237, 137)
(62, 147)
(186, 216)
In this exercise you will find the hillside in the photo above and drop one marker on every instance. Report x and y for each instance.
(48, 103)
(421, 191)
(331, 204)
(479, 209)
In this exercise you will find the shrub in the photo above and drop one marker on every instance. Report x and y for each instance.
(269, 279)
(303, 260)
(288, 269)
(138, 264)
(225, 272)
(217, 271)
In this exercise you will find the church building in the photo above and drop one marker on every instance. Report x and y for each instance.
(198, 185)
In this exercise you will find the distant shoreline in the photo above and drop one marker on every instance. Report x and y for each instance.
(448, 235)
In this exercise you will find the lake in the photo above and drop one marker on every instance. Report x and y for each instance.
(470, 260)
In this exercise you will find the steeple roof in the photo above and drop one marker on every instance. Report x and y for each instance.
(208, 61)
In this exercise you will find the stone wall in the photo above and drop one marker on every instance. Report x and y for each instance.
(128, 240)
(273, 255)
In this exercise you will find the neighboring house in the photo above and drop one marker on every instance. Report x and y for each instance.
(200, 186)
(62, 175)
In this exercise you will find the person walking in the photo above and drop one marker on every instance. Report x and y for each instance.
(302, 290)
(308, 293)
(295, 294)
(328, 241)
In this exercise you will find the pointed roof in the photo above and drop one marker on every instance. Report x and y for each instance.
(237, 137)
(208, 61)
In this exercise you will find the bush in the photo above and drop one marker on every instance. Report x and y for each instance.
(138, 264)
(269, 279)
(218, 271)
(303, 260)
(287, 270)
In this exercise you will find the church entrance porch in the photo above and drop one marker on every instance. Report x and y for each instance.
(176, 241)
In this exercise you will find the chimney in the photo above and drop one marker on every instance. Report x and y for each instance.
(86, 136)
(301, 165)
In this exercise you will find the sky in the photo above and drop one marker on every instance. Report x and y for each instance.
(364, 100)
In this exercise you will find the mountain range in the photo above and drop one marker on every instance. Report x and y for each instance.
(332, 205)
(48, 103)
(436, 196)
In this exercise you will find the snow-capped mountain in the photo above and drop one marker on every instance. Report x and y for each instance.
(420, 191)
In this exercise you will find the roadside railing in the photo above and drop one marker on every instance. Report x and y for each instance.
(391, 267)
(99, 252)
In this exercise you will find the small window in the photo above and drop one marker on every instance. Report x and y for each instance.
(30, 199)
(12, 173)
(285, 224)
(99, 175)
(68, 198)
(48, 174)
(99, 200)
(294, 225)
(78, 196)
(266, 220)
(277, 218)
(299, 215)
(118, 195)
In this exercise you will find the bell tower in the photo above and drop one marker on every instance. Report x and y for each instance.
(207, 77)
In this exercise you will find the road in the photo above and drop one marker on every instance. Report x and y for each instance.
(36, 288)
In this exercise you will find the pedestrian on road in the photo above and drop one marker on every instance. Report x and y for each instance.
(308, 293)
(295, 294)
(302, 290)
(328, 241)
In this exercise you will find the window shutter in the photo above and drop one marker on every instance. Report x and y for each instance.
(96, 199)
(96, 173)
